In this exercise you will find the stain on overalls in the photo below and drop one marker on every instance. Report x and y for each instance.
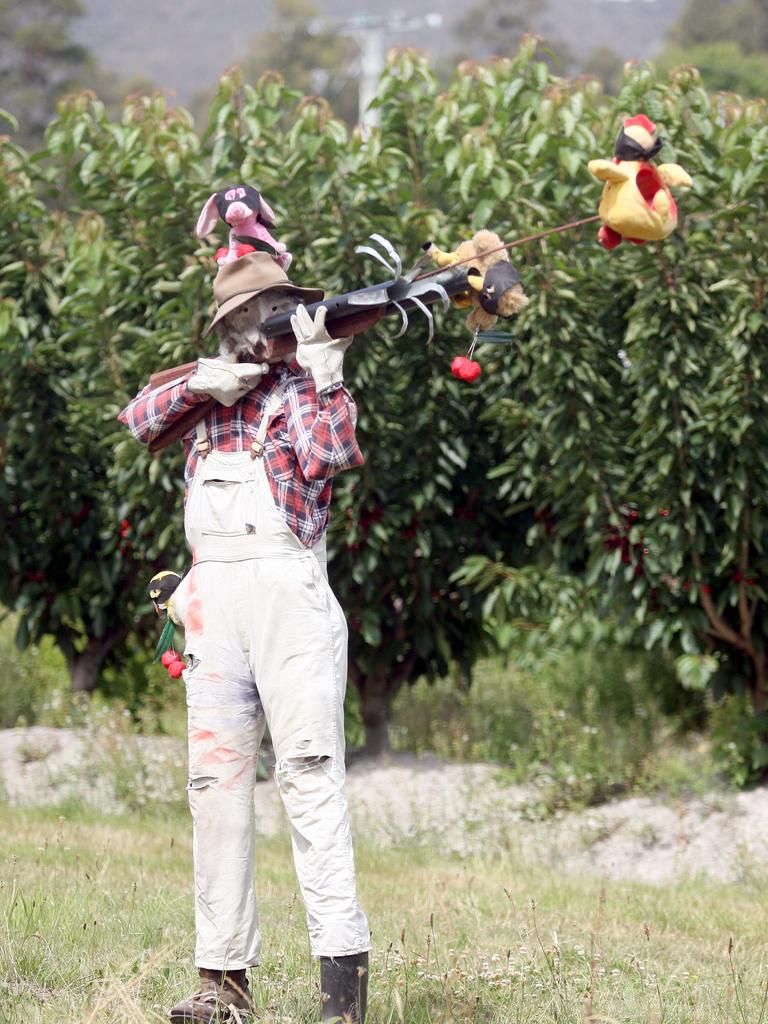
(266, 642)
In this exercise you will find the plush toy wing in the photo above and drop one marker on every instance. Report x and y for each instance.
(674, 176)
(607, 170)
(441, 258)
(208, 217)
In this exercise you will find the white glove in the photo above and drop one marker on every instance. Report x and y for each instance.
(317, 351)
(224, 379)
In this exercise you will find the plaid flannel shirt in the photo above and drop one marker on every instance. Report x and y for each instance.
(309, 440)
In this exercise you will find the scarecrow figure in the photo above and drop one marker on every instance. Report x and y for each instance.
(265, 638)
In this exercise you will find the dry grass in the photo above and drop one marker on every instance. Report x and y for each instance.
(96, 926)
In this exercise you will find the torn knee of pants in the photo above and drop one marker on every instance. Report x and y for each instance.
(290, 767)
(201, 782)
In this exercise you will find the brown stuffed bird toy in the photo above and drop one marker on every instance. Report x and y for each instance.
(495, 286)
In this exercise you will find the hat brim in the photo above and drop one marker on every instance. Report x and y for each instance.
(306, 294)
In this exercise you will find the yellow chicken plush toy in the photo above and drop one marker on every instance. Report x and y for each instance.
(636, 204)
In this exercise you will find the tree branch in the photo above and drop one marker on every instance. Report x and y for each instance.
(753, 611)
(744, 616)
(717, 623)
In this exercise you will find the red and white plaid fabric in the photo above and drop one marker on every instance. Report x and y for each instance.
(309, 440)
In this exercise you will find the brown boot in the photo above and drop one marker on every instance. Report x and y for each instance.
(219, 992)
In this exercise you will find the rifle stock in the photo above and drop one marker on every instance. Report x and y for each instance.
(157, 380)
(348, 314)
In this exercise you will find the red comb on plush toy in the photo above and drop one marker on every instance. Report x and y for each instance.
(637, 204)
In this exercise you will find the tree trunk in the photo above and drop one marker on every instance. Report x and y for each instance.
(84, 666)
(759, 696)
(375, 695)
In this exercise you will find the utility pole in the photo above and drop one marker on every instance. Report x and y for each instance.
(371, 33)
(372, 41)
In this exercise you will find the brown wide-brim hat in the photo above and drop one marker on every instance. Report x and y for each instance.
(242, 280)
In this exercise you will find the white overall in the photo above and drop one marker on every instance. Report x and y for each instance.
(266, 641)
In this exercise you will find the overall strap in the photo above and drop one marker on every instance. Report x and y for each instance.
(274, 403)
(203, 444)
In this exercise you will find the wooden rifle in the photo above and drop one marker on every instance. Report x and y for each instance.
(348, 314)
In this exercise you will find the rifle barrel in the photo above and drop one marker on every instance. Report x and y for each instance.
(375, 301)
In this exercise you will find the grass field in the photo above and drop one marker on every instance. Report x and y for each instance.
(96, 926)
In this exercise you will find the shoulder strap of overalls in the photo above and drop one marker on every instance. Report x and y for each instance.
(274, 402)
(203, 444)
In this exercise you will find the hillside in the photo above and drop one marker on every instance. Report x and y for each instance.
(184, 45)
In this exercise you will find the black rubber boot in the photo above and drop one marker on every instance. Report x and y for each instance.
(344, 987)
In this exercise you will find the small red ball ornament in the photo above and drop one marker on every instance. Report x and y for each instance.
(471, 371)
(169, 657)
(176, 668)
(457, 365)
(465, 369)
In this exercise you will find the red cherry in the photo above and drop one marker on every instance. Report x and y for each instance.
(176, 668)
(706, 589)
(169, 657)
(458, 365)
(470, 371)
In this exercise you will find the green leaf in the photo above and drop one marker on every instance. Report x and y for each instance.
(465, 181)
(142, 165)
(695, 670)
(165, 641)
(90, 166)
(537, 143)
